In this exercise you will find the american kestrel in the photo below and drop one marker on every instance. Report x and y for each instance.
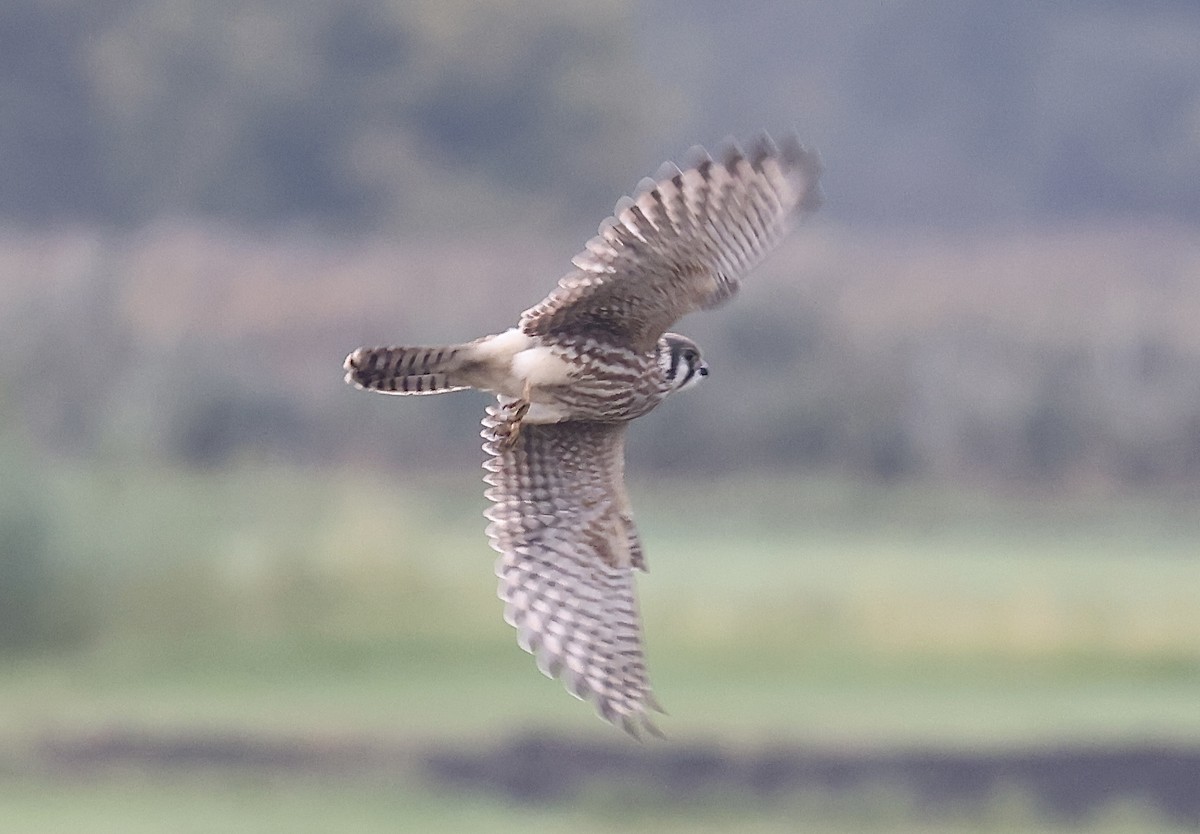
(580, 365)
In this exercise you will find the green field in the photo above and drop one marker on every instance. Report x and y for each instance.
(271, 603)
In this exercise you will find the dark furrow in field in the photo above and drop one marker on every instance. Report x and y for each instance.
(1063, 782)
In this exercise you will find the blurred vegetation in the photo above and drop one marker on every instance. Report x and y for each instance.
(983, 356)
(375, 113)
(956, 114)
(27, 583)
(1067, 358)
(251, 596)
(344, 113)
(258, 606)
(932, 344)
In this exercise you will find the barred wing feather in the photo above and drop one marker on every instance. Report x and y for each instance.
(568, 547)
(682, 243)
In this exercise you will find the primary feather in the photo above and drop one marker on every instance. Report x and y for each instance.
(683, 244)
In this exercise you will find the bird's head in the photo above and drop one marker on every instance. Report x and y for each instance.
(680, 361)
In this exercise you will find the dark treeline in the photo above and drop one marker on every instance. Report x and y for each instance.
(380, 113)
(347, 113)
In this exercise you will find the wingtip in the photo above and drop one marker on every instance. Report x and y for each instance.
(695, 156)
(804, 163)
(653, 729)
(633, 727)
(637, 725)
(807, 161)
(652, 703)
(729, 152)
(667, 171)
(645, 186)
(762, 147)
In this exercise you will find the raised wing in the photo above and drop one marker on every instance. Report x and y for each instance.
(682, 243)
(568, 548)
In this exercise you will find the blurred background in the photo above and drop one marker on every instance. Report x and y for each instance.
(924, 547)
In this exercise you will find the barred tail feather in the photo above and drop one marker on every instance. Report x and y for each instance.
(406, 370)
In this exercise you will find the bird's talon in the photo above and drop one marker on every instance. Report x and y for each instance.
(509, 430)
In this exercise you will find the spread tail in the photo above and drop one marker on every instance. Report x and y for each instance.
(407, 370)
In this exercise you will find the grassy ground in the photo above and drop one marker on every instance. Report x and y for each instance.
(283, 604)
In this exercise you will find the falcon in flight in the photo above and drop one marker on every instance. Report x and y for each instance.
(568, 379)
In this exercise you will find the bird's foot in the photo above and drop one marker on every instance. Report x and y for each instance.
(509, 429)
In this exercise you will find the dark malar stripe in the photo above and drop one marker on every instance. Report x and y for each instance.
(675, 356)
